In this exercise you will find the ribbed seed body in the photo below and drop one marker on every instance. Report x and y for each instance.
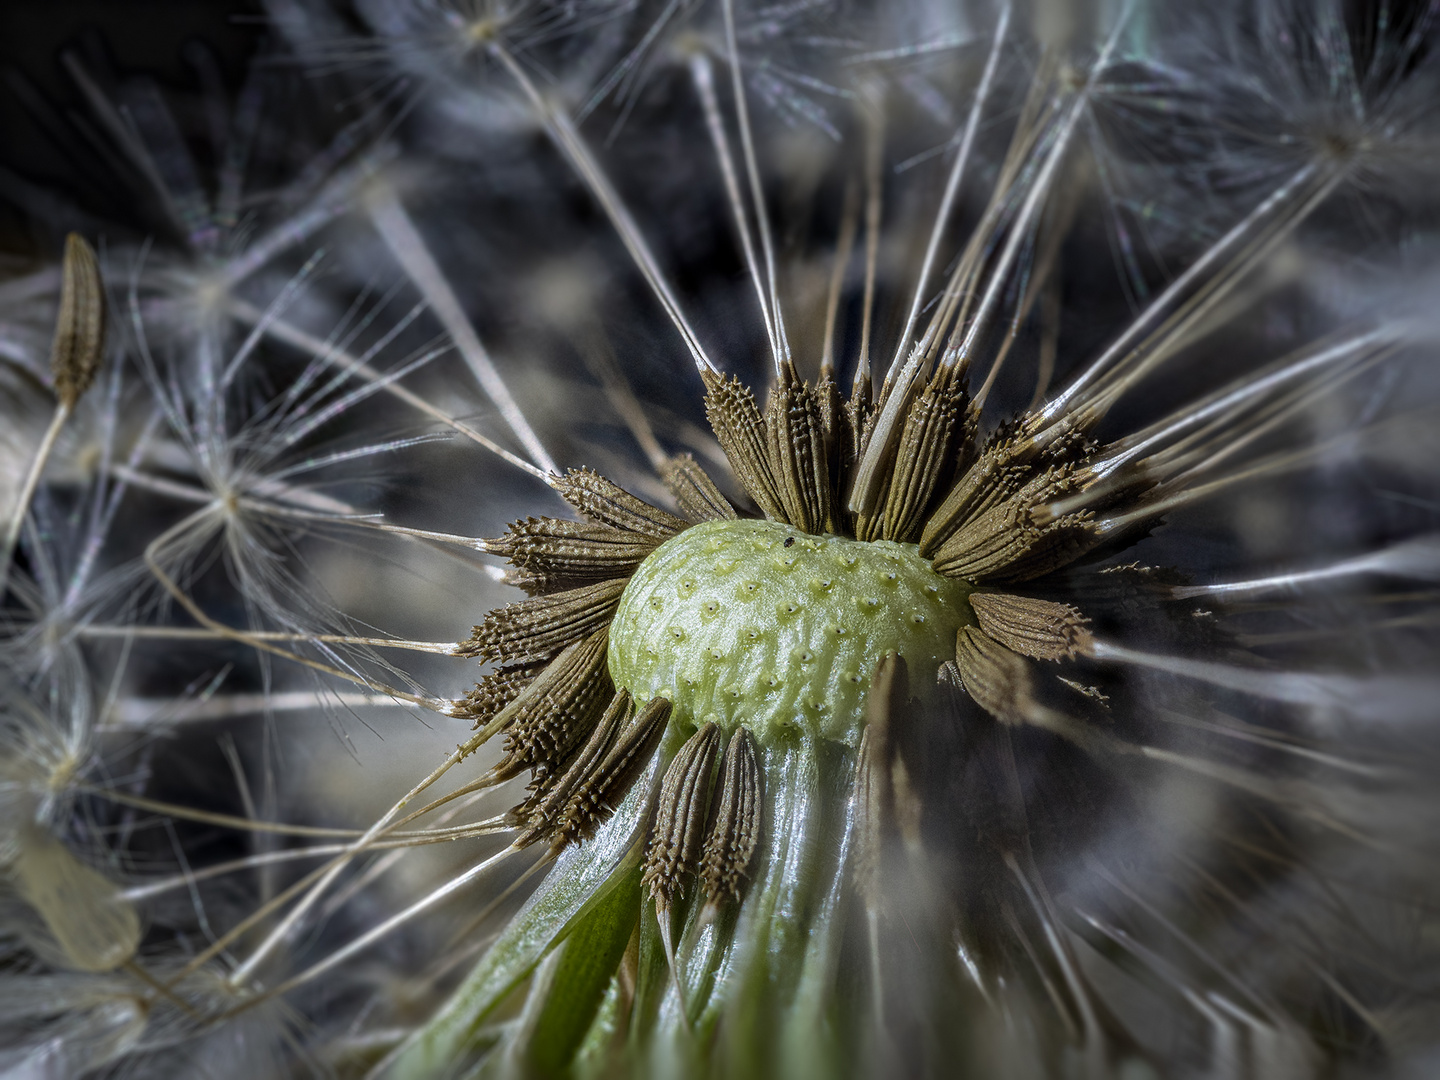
(756, 623)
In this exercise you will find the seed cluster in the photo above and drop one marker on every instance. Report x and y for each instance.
(889, 527)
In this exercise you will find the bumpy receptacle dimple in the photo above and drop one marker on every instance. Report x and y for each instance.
(756, 623)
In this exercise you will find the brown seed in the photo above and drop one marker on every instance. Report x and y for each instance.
(1004, 546)
(1009, 461)
(875, 824)
(853, 426)
(540, 627)
(550, 554)
(699, 498)
(1041, 629)
(597, 797)
(737, 423)
(1005, 543)
(729, 849)
(934, 433)
(79, 343)
(997, 679)
(680, 816)
(796, 445)
(1000, 682)
(544, 811)
(558, 710)
(609, 504)
(494, 691)
(830, 408)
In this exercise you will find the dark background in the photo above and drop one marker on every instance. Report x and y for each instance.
(156, 37)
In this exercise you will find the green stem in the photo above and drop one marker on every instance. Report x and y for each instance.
(582, 880)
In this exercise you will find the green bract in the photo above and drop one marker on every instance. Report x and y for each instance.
(756, 623)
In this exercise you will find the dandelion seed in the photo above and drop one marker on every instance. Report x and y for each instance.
(75, 355)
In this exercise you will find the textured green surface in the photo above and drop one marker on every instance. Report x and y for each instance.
(733, 624)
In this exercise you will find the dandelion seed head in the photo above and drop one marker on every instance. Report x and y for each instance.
(1115, 762)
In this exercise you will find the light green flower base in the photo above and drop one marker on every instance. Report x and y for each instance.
(754, 623)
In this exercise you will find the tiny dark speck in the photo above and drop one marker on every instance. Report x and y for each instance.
(789, 541)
